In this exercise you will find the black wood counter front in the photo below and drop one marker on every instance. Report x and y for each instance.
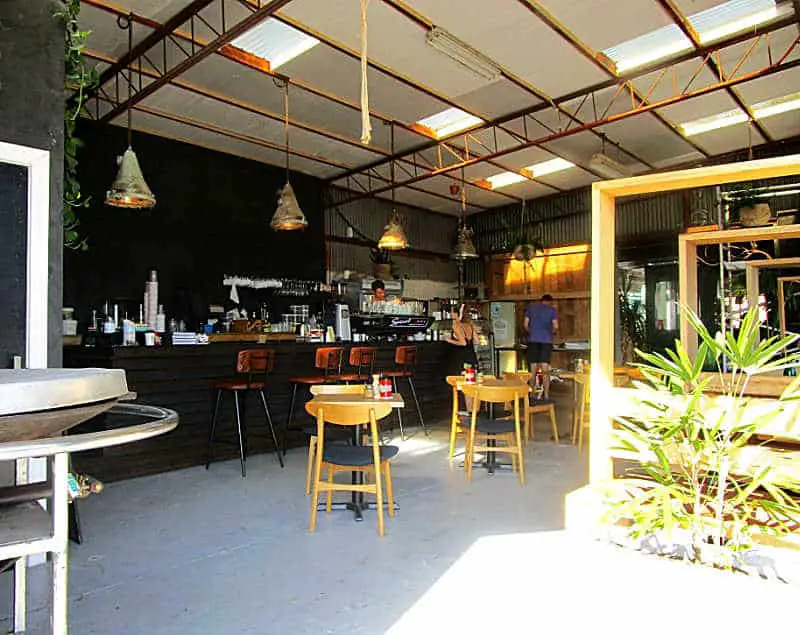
(181, 378)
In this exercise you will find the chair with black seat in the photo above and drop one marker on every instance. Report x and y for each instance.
(492, 431)
(327, 360)
(311, 428)
(253, 366)
(374, 458)
(362, 359)
(547, 407)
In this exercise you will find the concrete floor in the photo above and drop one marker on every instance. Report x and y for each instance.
(199, 551)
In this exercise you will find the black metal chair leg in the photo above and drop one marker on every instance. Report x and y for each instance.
(239, 429)
(212, 429)
(271, 427)
(419, 410)
(289, 417)
(397, 410)
(75, 529)
(243, 410)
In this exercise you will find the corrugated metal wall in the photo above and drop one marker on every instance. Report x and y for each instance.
(566, 219)
(426, 231)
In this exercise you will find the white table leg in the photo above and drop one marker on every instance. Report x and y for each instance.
(60, 534)
(19, 595)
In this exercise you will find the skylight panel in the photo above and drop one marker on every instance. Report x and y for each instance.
(776, 106)
(504, 179)
(650, 47)
(274, 41)
(448, 122)
(727, 18)
(548, 167)
(761, 110)
(714, 122)
(734, 17)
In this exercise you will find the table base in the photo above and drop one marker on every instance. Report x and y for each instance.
(356, 508)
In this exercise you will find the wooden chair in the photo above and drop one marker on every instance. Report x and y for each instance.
(548, 408)
(362, 359)
(506, 430)
(325, 389)
(580, 414)
(338, 458)
(328, 360)
(456, 426)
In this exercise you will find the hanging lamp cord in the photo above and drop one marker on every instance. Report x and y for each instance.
(463, 200)
(391, 165)
(129, 26)
(366, 124)
(286, 125)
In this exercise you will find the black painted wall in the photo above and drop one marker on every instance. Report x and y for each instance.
(211, 218)
(31, 114)
(13, 225)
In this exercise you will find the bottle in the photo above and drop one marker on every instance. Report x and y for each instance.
(109, 326)
(161, 320)
(151, 309)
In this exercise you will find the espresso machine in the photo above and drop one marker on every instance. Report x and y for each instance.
(341, 322)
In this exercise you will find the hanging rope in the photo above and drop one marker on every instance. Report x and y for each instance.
(366, 124)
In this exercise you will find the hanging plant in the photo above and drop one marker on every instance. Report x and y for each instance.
(78, 80)
(526, 244)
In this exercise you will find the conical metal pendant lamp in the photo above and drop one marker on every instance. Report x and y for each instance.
(288, 216)
(129, 189)
(394, 236)
(465, 248)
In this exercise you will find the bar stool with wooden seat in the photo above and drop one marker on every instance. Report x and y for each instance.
(336, 458)
(328, 360)
(490, 431)
(547, 408)
(362, 358)
(405, 360)
(252, 366)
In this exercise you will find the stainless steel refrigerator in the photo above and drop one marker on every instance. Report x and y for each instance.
(503, 317)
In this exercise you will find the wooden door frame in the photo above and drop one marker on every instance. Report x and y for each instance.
(603, 285)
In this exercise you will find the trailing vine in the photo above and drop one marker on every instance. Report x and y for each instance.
(78, 80)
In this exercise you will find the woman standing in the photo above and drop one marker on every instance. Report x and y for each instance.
(462, 339)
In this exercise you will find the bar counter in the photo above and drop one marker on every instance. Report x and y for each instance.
(181, 378)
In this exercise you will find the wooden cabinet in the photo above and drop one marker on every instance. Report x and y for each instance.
(564, 273)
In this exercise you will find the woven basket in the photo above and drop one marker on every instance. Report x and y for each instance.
(755, 216)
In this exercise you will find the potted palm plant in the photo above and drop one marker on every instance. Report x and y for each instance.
(700, 483)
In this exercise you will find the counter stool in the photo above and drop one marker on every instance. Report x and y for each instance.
(362, 358)
(327, 359)
(253, 365)
(405, 360)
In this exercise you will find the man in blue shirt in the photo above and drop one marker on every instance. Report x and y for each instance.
(541, 323)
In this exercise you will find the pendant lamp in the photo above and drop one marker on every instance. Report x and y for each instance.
(465, 248)
(394, 236)
(129, 189)
(288, 216)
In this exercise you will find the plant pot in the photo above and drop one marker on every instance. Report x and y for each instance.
(382, 271)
